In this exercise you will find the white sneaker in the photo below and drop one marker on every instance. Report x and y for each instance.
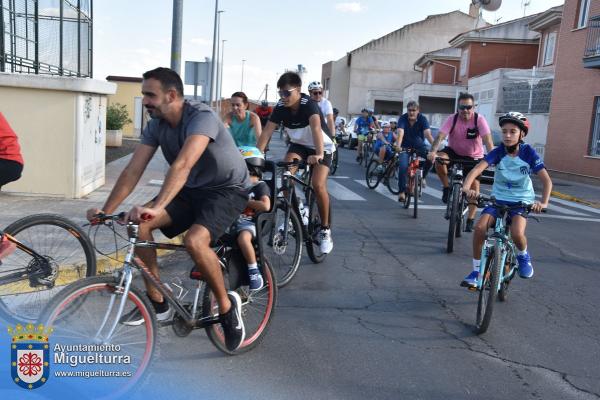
(326, 242)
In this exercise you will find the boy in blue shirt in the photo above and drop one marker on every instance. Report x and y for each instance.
(514, 161)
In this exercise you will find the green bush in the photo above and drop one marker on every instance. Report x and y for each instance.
(116, 116)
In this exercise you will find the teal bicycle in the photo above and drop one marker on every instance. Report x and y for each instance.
(498, 263)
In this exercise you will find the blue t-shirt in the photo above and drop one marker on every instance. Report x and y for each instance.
(362, 125)
(413, 135)
(512, 181)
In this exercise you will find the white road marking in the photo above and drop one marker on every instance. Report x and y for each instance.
(340, 192)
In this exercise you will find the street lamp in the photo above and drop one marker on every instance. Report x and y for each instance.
(242, 86)
(220, 81)
(217, 69)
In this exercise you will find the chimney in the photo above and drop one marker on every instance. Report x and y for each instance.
(474, 10)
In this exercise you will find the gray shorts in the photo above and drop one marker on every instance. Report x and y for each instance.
(244, 224)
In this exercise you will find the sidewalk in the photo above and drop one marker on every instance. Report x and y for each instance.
(572, 191)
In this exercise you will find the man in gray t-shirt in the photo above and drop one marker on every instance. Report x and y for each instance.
(204, 191)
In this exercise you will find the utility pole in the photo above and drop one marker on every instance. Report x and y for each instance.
(218, 61)
(213, 69)
(242, 85)
(176, 36)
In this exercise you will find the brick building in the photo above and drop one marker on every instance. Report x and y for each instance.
(573, 144)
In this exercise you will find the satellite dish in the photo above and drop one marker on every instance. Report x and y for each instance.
(488, 5)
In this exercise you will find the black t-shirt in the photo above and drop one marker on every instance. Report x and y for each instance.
(256, 192)
(297, 123)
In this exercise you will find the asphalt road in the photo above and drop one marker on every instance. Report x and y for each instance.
(384, 317)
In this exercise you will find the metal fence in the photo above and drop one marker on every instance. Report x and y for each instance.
(52, 37)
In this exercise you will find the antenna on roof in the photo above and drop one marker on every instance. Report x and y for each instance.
(525, 4)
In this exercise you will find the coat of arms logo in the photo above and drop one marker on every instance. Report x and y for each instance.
(30, 355)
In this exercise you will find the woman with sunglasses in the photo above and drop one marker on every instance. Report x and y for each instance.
(467, 132)
(309, 141)
(244, 125)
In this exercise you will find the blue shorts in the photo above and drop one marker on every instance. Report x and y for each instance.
(388, 150)
(493, 211)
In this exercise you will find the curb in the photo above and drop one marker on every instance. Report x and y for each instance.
(574, 199)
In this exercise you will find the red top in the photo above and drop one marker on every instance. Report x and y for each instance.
(263, 112)
(9, 144)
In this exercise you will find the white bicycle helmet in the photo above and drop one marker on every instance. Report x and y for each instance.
(385, 124)
(316, 85)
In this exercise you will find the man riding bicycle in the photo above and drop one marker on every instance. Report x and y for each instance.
(363, 125)
(204, 191)
(467, 132)
(413, 128)
(309, 141)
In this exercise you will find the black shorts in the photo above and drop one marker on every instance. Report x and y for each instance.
(304, 152)
(467, 167)
(10, 171)
(214, 209)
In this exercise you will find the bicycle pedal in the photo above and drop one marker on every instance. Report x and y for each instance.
(166, 323)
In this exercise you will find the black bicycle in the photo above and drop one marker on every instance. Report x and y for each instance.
(293, 221)
(43, 253)
(386, 172)
(457, 205)
(95, 310)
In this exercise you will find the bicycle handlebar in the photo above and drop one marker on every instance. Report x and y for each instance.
(483, 200)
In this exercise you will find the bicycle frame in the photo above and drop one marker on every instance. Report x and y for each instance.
(500, 237)
(290, 197)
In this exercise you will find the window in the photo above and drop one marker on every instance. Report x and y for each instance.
(582, 16)
(595, 145)
(549, 47)
(464, 59)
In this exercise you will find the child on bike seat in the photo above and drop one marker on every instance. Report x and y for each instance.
(384, 143)
(514, 161)
(258, 200)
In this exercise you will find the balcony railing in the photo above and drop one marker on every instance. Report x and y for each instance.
(591, 55)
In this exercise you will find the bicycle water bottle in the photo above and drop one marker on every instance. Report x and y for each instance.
(303, 213)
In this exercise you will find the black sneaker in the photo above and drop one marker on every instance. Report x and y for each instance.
(469, 225)
(134, 317)
(232, 323)
(445, 193)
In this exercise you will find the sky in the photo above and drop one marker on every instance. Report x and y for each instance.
(131, 37)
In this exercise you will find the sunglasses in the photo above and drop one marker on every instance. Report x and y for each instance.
(316, 93)
(286, 93)
(412, 110)
(465, 107)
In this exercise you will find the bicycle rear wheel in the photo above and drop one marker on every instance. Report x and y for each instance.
(462, 209)
(488, 290)
(373, 176)
(67, 256)
(334, 162)
(83, 313)
(392, 178)
(284, 257)
(257, 310)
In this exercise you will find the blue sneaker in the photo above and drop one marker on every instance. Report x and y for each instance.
(470, 280)
(525, 267)
(256, 279)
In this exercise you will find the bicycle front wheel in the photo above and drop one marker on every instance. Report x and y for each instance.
(313, 241)
(27, 282)
(392, 180)
(488, 290)
(454, 214)
(284, 256)
(257, 310)
(83, 315)
(416, 194)
(373, 176)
